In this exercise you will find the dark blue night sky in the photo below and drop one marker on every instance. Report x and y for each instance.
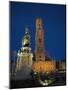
(54, 26)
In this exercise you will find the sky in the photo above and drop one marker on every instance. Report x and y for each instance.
(54, 25)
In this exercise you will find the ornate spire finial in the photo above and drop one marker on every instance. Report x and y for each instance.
(26, 38)
(26, 30)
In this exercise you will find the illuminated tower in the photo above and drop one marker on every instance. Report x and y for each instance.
(39, 49)
(41, 64)
(24, 59)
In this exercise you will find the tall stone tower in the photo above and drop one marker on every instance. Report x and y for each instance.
(41, 64)
(39, 49)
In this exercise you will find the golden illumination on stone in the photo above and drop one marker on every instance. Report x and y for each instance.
(39, 48)
(44, 66)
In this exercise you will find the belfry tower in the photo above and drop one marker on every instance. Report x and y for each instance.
(39, 49)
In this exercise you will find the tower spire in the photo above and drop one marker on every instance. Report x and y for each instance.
(26, 30)
(26, 38)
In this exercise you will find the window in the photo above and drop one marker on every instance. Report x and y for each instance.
(40, 40)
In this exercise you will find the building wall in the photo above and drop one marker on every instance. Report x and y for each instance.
(24, 64)
(24, 60)
(62, 65)
(44, 66)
